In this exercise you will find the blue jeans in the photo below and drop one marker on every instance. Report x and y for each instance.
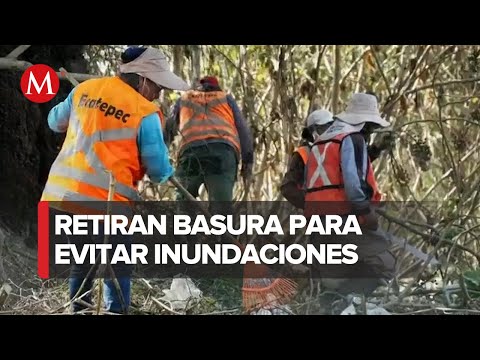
(114, 302)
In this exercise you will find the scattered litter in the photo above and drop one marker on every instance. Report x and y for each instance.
(280, 310)
(181, 292)
(372, 309)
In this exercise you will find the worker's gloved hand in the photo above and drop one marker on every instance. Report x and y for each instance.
(387, 142)
(246, 172)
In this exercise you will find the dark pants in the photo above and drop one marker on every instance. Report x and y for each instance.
(374, 259)
(214, 165)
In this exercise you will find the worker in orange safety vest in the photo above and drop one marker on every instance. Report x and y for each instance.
(214, 139)
(112, 126)
(292, 185)
(339, 179)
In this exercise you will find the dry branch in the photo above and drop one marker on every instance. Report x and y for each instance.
(13, 64)
(18, 51)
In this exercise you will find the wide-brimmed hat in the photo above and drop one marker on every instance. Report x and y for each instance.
(362, 108)
(319, 117)
(153, 65)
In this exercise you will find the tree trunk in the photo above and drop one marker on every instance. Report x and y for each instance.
(3, 275)
(196, 63)
(27, 146)
(178, 59)
(336, 80)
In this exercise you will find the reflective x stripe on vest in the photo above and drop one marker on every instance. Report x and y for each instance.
(320, 170)
(100, 178)
(324, 178)
(204, 123)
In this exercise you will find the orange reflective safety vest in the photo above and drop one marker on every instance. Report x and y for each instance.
(324, 179)
(303, 151)
(205, 116)
(101, 136)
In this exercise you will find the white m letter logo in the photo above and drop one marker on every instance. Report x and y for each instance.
(33, 80)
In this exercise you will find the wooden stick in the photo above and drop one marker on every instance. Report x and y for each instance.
(111, 192)
(14, 64)
(3, 275)
(438, 84)
(5, 290)
(336, 80)
(190, 197)
(187, 194)
(159, 303)
(405, 225)
(56, 310)
(68, 76)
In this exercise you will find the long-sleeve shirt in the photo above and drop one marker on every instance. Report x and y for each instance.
(153, 151)
(293, 180)
(246, 142)
(354, 165)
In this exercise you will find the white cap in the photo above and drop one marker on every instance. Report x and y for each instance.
(319, 117)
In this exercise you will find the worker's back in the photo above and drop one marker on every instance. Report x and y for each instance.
(101, 136)
(206, 117)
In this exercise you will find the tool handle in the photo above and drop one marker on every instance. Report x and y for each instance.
(190, 197)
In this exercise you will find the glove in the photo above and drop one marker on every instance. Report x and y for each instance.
(387, 142)
(246, 172)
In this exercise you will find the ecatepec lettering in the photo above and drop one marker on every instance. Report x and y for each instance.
(106, 108)
(207, 95)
